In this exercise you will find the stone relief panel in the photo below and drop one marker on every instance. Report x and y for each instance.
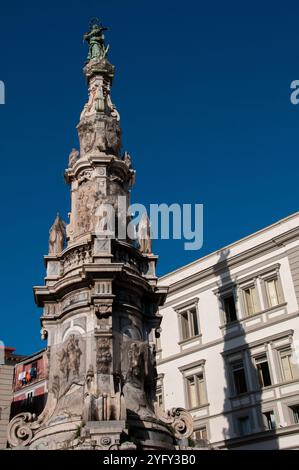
(71, 300)
(139, 373)
(67, 363)
(76, 257)
(86, 205)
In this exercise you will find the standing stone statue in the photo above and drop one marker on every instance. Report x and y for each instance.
(95, 40)
(144, 234)
(57, 236)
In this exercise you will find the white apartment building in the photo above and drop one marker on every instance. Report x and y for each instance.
(229, 347)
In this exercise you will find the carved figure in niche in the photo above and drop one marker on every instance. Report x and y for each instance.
(113, 134)
(87, 135)
(136, 384)
(73, 157)
(86, 206)
(57, 236)
(144, 234)
(74, 354)
(69, 357)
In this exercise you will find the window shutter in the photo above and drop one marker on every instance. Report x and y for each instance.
(272, 293)
(248, 302)
(285, 362)
(254, 300)
(192, 392)
(201, 390)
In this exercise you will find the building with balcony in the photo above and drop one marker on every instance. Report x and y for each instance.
(30, 385)
(8, 360)
(229, 346)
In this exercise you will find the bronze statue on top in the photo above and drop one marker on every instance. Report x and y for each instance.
(95, 39)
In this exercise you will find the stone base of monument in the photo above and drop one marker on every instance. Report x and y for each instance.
(146, 434)
(102, 435)
(150, 433)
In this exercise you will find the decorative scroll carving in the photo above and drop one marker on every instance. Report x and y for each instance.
(85, 175)
(179, 419)
(19, 430)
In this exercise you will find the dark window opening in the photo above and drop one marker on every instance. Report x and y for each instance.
(239, 377)
(230, 309)
(263, 372)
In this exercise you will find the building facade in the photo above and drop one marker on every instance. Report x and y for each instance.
(30, 385)
(229, 345)
(7, 363)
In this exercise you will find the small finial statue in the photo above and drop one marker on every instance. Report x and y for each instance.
(73, 157)
(57, 236)
(144, 234)
(95, 39)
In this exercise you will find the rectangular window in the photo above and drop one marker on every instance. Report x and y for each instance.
(272, 292)
(251, 301)
(189, 323)
(263, 371)
(200, 434)
(244, 425)
(295, 413)
(288, 367)
(269, 420)
(239, 377)
(196, 390)
(159, 397)
(230, 309)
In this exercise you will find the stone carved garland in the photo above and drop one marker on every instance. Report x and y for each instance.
(104, 356)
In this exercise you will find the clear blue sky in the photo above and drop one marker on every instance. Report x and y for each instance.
(203, 92)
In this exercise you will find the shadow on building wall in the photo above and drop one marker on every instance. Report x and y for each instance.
(243, 390)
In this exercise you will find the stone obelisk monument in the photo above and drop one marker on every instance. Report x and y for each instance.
(100, 299)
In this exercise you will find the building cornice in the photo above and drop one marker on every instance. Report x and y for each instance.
(218, 268)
